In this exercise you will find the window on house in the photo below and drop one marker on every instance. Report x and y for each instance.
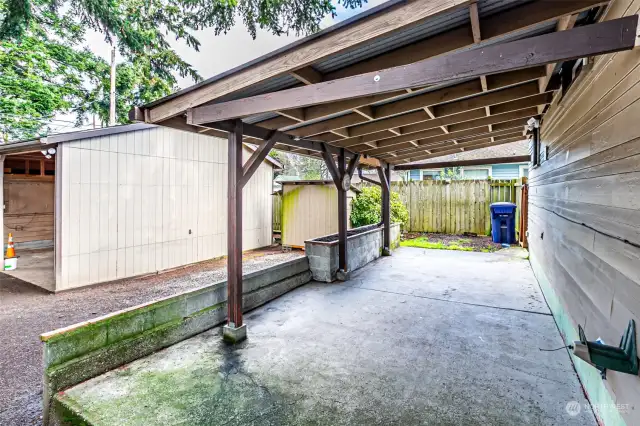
(414, 174)
(476, 174)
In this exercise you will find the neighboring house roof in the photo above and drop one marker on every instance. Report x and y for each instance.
(44, 142)
(395, 177)
(313, 182)
(513, 149)
(285, 178)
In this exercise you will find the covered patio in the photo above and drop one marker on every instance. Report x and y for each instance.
(400, 83)
(422, 337)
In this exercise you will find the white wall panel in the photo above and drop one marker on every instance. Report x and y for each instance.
(145, 201)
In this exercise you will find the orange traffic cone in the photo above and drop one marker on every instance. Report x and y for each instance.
(11, 252)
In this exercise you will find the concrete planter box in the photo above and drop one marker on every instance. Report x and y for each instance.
(362, 248)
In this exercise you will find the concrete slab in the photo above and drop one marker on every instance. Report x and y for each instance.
(502, 279)
(35, 266)
(375, 350)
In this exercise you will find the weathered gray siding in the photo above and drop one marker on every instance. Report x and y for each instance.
(584, 203)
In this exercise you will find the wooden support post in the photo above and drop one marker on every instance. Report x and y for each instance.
(235, 330)
(342, 215)
(384, 173)
(341, 176)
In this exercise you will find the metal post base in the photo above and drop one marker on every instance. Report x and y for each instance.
(232, 334)
(343, 276)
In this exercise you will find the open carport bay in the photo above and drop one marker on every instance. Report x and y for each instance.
(422, 337)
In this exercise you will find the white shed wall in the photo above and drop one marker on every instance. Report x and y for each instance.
(145, 201)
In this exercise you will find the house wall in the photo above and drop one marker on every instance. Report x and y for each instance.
(310, 211)
(505, 171)
(144, 201)
(584, 216)
(496, 171)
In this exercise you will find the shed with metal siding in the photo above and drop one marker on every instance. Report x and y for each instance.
(309, 210)
(133, 200)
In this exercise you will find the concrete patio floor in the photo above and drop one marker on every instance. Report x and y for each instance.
(423, 337)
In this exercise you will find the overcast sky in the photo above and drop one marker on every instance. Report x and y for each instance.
(218, 53)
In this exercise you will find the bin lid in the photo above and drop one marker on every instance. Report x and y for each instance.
(502, 208)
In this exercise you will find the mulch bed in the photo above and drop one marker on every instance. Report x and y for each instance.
(476, 243)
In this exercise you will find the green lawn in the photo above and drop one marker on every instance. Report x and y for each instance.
(423, 242)
(450, 242)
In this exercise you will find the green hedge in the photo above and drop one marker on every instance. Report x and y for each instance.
(366, 208)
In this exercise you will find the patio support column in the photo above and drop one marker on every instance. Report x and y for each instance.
(384, 173)
(341, 176)
(342, 216)
(235, 330)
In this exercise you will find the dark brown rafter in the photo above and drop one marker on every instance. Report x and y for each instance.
(383, 121)
(605, 37)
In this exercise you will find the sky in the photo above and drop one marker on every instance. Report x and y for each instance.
(217, 53)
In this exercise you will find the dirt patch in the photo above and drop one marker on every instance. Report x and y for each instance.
(27, 311)
(449, 242)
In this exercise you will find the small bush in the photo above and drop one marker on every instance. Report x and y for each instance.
(366, 208)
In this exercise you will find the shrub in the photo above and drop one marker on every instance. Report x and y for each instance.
(366, 208)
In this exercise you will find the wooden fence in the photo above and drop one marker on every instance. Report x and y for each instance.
(277, 212)
(454, 207)
(450, 207)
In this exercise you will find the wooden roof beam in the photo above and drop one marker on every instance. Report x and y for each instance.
(500, 24)
(452, 108)
(477, 38)
(399, 155)
(279, 137)
(605, 37)
(461, 135)
(439, 96)
(564, 23)
(523, 108)
(308, 75)
(452, 150)
(436, 145)
(449, 147)
(496, 25)
(364, 30)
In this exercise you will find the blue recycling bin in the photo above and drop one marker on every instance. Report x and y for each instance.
(503, 223)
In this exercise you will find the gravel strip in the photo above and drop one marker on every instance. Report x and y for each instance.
(26, 312)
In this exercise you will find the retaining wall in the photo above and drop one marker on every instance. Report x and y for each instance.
(85, 350)
(361, 249)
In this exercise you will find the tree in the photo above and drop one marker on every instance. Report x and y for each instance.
(301, 166)
(366, 209)
(451, 173)
(40, 77)
(140, 29)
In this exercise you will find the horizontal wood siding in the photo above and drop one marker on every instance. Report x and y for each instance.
(584, 214)
(28, 208)
(145, 201)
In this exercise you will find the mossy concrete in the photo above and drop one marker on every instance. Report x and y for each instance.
(409, 340)
(86, 350)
